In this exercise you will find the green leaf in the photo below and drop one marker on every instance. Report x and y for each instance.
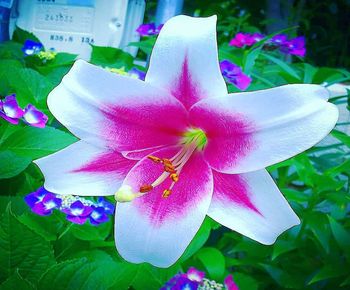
(34, 142)
(20, 35)
(245, 282)
(81, 274)
(111, 57)
(327, 272)
(144, 45)
(22, 249)
(12, 164)
(88, 232)
(283, 65)
(198, 241)
(213, 260)
(29, 85)
(341, 235)
(281, 247)
(15, 281)
(45, 226)
(249, 59)
(319, 226)
(341, 137)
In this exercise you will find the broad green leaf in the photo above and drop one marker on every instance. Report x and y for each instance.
(34, 142)
(45, 226)
(12, 164)
(15, 281)
(245, 282)
(111, 57)
(80, 274)
(88, 232)
(29, 85)
(22, 249)
(213, 260)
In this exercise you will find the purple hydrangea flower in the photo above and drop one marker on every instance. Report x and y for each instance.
(77, 212)
(180, 282)
(234, 75)
(107, 206)
(10, 110)
(195, 275)
(42, 202)
(295, 46)
(149, 29)
(136, 73)
(98, 215)
(31, 47)
(34, 117)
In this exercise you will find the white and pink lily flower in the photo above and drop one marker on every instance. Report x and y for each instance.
(177, 147)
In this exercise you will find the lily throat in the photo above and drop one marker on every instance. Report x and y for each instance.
(192, 140)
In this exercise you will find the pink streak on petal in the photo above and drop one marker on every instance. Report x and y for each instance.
(185, 89)
(195, 183)
(109, 162)
(229, 135)
(145, 124)
(232, 188)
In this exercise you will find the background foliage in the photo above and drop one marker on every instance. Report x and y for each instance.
(51, 253)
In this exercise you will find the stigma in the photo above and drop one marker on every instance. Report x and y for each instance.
(193, 139)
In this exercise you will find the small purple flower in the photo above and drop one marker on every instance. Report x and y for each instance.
(98, 216)
(136, 73)
(149, 29)
(107, 206)
(34, 117)
(279, 39)
(295, 46)
(31, 47)
(77, 212)
(256, 37)
(234, 75)
(245, 39)
(42, 202)
(10, 110)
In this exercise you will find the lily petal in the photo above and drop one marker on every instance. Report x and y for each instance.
(155, 229)
(251, 204)
(250, 131)
(113, 111)
(83, 169)
(185, 61)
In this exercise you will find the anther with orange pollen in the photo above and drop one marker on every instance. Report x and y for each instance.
(194, 139)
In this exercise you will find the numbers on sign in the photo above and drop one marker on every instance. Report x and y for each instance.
(86, 39)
